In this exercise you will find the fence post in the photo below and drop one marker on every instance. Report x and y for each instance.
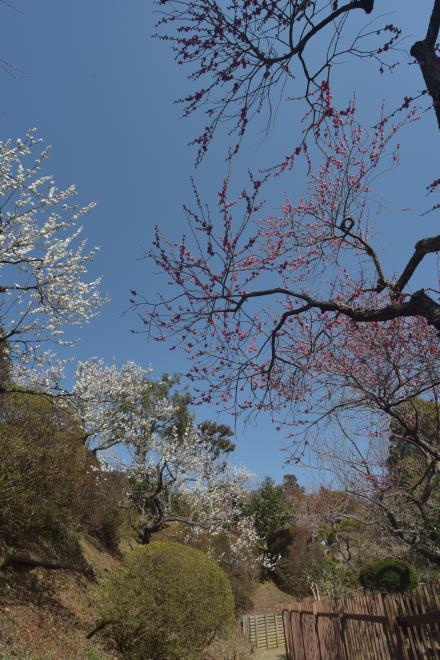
(341, 618)
(393, 625)
(316, 622)
(286, 637)
(301, 628)
(287, 630)
(293, 645)
(276, 629)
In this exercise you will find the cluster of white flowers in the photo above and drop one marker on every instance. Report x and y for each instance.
(111, 403)
(43, 262)
(216, 502)
(130, 424)
(41, 371)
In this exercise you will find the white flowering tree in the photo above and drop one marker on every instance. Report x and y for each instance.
(177, 472)
(43, 260)
(115, 406)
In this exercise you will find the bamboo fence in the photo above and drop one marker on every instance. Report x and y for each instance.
(264, 631)
(365, 627)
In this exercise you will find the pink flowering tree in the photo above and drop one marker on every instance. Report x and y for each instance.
(297, 312)
(290, 312)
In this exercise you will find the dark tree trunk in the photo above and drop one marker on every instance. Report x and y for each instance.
(429, 64)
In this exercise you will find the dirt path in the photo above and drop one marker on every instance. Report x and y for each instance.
(272, 654)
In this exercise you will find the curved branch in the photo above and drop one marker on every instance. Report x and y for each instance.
(419, 304)
(366, 5)
(381, 279)
(422, 247)
(434, 25)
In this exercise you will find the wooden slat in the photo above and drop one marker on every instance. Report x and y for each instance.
(264, 630)
(372, 618)
(368, 627)
(432, 602)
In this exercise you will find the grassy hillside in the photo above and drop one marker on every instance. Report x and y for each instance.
(46, 614)
(268, 598)
(65, 524)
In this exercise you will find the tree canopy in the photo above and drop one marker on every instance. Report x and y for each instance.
(297, 312)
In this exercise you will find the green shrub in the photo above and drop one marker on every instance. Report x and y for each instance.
(388, 575)
(331, 579)
(38, 468)
(50, 482)
(168, 600)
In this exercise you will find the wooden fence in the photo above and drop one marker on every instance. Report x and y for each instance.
(265, 631)
(373, 627)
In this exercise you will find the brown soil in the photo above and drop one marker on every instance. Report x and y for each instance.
(272, 654)
(45, 615)
(268, 598)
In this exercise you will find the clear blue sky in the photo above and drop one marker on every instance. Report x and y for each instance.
(100, 90)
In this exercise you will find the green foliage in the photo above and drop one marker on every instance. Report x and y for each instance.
(244, 572)
(271, 508)
(414, 497)
(50, 482)
(164, 389)
(243, 575)
(167, 601)
(217, 435)
(294, 492)
(388, 575)
(415, 420)
(331, 579)
(244, 581)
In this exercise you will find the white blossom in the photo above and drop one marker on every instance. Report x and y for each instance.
(111, 403)
(133, 427)
(43, 260)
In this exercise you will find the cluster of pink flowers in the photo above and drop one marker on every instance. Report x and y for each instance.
(257, 302)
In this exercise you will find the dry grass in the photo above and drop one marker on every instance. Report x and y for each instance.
(224, 649)
(268, 598)
(45, 615)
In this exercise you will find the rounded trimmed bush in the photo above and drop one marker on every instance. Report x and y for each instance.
(388, 575)
(168, 600)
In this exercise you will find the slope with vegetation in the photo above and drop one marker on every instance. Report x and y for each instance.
(70, 551)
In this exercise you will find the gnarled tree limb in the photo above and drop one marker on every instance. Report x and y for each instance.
(422, 247)
(429, 62)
